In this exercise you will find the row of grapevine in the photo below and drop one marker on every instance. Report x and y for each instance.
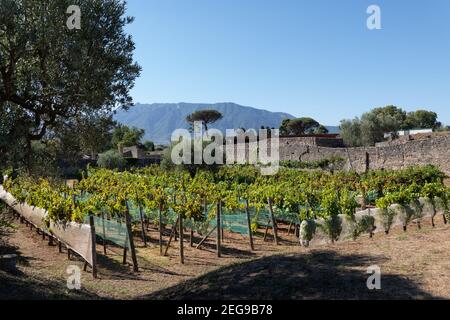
(292, 196)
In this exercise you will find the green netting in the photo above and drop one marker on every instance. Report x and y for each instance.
(111, 230)
(287, 216)
(262, 218)
(168, 217)
(201, 227)
(236, 222)
(135, 213)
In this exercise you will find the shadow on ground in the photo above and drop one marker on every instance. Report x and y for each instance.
(19, 286)
(314, 275)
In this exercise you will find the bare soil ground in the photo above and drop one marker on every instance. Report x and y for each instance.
(414, 265)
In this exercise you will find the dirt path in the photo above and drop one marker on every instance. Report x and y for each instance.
(415, 264)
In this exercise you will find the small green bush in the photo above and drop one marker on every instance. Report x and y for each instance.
(111, 159)
(366, 224)
(332, 226)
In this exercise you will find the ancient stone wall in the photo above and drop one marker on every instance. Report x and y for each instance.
(435, 150)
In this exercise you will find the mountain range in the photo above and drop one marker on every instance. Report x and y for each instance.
(159, 120)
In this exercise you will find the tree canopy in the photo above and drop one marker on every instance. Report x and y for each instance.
(371, 127)
(300, 126)
(50, 74)
(124, 136)
(207, 116)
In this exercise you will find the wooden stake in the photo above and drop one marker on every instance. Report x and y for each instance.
(249, 224)
(125, 247)
(174, 230)
(180, 220)
(160, 231)
(142, 225)
(267, 231)
(274, 223)
(290, 227)
(221, 223)
(218, 230)
(94, 243)
(191, 238)
(205, 237)
(130, 237)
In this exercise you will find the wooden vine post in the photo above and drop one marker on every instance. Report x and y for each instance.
(222, 236)
(142, 225)
(93, 246)
(274, 223)
(160, 230)
(218, 249)
(249, 224)
(125, 247)
(191, 238)
(174, 231)
(130, 237)
(180, 220)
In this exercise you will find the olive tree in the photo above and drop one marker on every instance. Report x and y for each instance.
(50, 73)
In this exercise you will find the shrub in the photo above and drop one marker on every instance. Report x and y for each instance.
(434, 191)
(387, 214)
(332, 226)
(366, 224)
(111, 159)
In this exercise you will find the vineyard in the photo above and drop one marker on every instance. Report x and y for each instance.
(313, 204)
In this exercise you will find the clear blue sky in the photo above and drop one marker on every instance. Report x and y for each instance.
(305, 57)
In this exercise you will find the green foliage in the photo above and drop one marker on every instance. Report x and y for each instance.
(94, 132)
(301, 195)
(205, 116)
(124, 136)
(421, 119)
(326, 163)
(434, 190)
(371, 127)
(51, 74)
(300, 126)
(348, 203)
(149, 145)
(372, 196)
(111, 159)
(366, 224)
(350, 132)
(331, 226)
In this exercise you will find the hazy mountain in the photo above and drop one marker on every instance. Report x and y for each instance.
(159, 120)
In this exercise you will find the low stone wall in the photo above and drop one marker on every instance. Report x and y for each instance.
(75, 236)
